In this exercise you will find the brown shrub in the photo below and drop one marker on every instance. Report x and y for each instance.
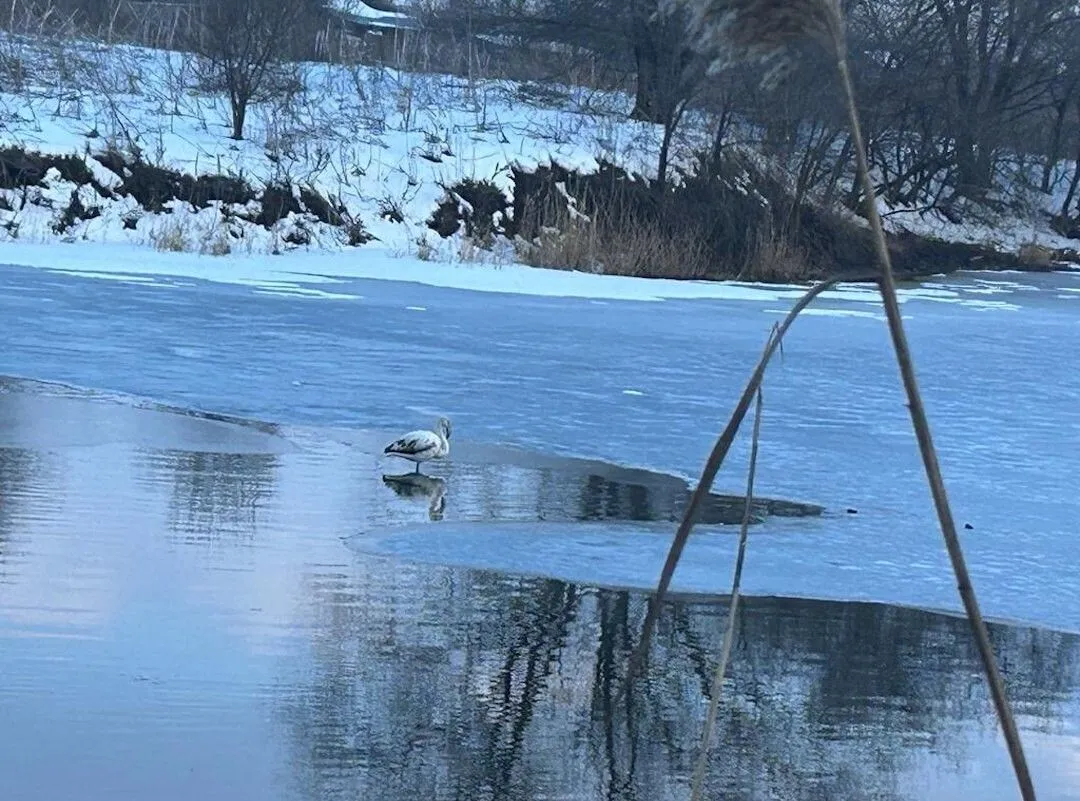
(1033, 255)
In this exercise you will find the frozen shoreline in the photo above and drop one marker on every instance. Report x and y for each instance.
(314, 274)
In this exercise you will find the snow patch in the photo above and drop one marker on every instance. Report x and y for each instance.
(811, 311)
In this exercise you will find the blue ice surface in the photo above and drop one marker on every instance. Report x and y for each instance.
(645, 384)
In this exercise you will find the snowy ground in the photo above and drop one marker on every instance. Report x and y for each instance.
(375, 138)
(382, 141)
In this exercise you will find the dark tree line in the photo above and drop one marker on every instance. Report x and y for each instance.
(953, 90)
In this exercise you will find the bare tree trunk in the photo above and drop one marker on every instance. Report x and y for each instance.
(239, 105)
(647, 102)
(1074, 184)
(973, 162)
(665, 148)
(1053, 150)
(723, 126)
(837, 170)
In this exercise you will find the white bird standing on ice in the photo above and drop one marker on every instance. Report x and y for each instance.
(421, 446)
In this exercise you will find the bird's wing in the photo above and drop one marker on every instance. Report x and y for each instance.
(414, 443)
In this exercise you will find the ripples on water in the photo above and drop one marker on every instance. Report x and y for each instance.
(180, 617)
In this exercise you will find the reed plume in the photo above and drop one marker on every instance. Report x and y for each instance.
(766, 31)
(734, 31)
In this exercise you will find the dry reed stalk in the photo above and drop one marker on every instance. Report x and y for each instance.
(887, 285)
(766, 29)
(708, 474)
(729, 632)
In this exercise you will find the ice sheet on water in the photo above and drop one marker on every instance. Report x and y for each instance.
(548, 373)
(829, 558)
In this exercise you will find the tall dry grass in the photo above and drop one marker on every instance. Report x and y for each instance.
(618, 244)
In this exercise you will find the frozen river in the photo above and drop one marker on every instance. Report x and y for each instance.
(643, 384)
(233, 594)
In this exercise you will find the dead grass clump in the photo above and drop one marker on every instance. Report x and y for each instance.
(614, 239)
(1034, 255)
(574, 248)
(647, 250)
(774, 259)
(217, 244)
(172, 236)
(704, 227)
(654, 250)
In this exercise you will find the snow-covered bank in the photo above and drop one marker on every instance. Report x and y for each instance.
(381, 142)
(380, 146)
(294, 270)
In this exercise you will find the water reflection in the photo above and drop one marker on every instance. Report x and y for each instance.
(495, 487)
(215, 494)
(431, 489)
(519, 486)
(18, 467)
(508, 688)
(185, 620)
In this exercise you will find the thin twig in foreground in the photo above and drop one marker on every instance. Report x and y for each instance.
(729, 632)
(708, 475)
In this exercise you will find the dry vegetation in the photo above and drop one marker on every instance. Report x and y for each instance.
(604, 243)
(775, 258)
(767, 30)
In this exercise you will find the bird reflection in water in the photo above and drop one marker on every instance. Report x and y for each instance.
(418, 485)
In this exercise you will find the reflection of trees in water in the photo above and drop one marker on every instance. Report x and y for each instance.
(576, 491)
(472, 685)
(603, 498)
(215, 494)
(659, 497)
(19, 469)
(531, 648)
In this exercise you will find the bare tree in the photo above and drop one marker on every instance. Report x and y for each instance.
(954, 88)
(998, 62)
(1065, 112)
(246, 47)
(1073, 191)
(670, 72)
